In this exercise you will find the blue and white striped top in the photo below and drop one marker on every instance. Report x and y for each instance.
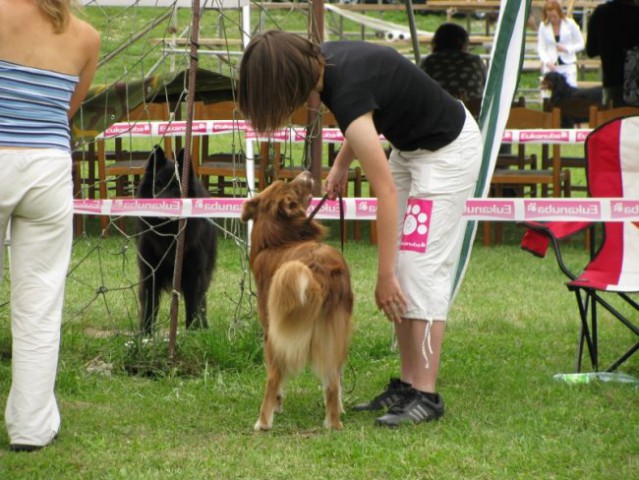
(33, 107)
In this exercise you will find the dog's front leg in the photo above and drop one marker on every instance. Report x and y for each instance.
(149, 295)
(195, 304)
(195, 283)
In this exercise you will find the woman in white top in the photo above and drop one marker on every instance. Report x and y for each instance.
(558, 41)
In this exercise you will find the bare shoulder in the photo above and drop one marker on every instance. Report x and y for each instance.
(85, 32)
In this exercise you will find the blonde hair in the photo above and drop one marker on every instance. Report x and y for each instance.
(552, 5)
(58, 11)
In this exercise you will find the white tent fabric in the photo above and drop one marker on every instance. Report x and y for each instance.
(505, 66)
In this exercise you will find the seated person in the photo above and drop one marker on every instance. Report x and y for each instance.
(461, 73)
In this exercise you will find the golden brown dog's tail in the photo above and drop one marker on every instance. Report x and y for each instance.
(294, 306)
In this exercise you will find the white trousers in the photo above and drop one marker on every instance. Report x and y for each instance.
(430, 240)
(36, 194)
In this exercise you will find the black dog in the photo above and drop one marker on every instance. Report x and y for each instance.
(573, 102)
(157, 240)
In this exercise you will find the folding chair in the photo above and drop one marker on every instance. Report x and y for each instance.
(612, 274)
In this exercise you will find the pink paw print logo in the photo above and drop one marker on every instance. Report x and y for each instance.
(416, 225)
(415, 221)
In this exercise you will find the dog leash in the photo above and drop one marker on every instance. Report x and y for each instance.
(342, 232)
(342, 237)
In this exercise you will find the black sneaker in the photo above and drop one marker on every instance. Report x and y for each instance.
(414, 407)
(391, 394)
(17, 447)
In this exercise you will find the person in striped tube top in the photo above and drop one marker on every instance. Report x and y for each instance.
(48, 57)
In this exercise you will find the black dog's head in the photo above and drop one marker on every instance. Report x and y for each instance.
(162, 178)
(558, 86)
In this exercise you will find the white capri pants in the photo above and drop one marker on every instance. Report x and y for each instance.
(36, 194)
(430, 241)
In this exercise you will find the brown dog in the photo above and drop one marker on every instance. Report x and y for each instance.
(305, 301)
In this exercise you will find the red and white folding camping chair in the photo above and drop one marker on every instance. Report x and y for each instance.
(611, 278)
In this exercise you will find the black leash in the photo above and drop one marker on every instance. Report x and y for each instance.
(342, 230)
(342, 237)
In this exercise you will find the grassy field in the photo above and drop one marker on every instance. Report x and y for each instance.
(119, 27)
(129, 413)
(513, 326)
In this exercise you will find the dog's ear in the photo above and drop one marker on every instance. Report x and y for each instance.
(290, 206)
(154, 164)
(180, 164)
(249, 209)
(180, 160)
(156, 159)
(157, 155)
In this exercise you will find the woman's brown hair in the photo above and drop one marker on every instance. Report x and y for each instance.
(278, 71)
(58, 11)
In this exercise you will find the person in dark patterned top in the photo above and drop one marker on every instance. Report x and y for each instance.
(461, 73)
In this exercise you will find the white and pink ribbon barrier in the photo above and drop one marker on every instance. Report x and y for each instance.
(297, 134)
(486, 209)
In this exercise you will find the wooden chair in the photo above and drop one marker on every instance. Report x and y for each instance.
(282, 170)
(520, 159)
(574, 113)
(526, 181)
(551, 179)
(120, 170)
(599, 114)
(84, 160)
(227, 168)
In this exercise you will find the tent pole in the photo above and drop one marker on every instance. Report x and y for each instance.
(314, 120)
(413, 29)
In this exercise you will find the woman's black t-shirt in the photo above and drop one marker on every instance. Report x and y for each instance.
(409, 108)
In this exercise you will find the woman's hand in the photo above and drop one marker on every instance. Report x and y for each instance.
(364, 141)
(337, 178)
(390, 298)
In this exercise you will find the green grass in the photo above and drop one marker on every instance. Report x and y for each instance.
(513, 326)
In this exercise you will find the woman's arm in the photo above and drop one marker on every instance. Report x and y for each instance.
(544, 49)
(574, 40)
(363, 142)
(91, 39)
